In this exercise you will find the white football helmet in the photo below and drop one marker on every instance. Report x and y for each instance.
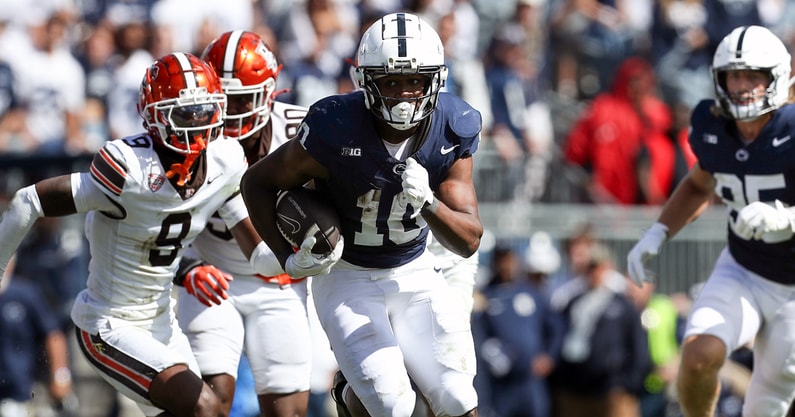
(402, 44)
(752, 48)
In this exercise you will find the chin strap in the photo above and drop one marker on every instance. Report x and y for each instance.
(182, 170)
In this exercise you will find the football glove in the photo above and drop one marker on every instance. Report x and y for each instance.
(416, 186)
(304, 263)
(760, 220)
(207, 283)
(647, 247)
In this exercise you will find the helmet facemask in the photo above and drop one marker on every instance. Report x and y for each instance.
(248, 71)
(402, 113)
(187, 124)
(182, 105)
(257, 99)
(187, 129)
(745, 105)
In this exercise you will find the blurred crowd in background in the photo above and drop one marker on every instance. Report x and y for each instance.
(583, 101)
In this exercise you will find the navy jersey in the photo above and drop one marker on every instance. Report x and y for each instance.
(762, 170)
(381, 230)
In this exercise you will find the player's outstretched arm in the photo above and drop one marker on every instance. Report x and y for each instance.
(48, 198)
(689, 200)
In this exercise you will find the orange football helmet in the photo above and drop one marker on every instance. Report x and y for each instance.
(248, 70)
(182, 103)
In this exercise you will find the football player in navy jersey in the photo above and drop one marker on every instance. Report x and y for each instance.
(395, 160)
(746, 157)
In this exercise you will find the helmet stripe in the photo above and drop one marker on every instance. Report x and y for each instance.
(738, 53)
(231, 53)
(401, 32)
(187, 70)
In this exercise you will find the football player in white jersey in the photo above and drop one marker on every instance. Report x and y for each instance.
(265, 315)
(146, 197)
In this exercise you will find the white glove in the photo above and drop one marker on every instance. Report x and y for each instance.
(416, 186)
(648, 246)
(760, 220)
(304, 263)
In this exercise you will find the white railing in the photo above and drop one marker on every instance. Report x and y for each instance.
(683, 261)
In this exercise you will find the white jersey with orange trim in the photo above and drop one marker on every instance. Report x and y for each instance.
(215, 245)
(263, 316)
(138, 225)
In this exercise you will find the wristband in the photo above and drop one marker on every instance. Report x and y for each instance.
(264, 261)
(657, 228)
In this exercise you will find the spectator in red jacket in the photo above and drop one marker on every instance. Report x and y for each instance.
(621, 140)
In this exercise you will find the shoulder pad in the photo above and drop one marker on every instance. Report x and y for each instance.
(326, 103)
(109, 168)
(787, 109)
(228, 152)
(463, 119)
(704, 111)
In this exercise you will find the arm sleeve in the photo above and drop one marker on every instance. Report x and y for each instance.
(264, 261)
(25, 208)
(185, 265)
(233, 211)
(22, 212)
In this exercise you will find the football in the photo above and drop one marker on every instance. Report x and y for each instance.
(303, 212)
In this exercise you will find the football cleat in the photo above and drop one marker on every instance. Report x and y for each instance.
(337, 390)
